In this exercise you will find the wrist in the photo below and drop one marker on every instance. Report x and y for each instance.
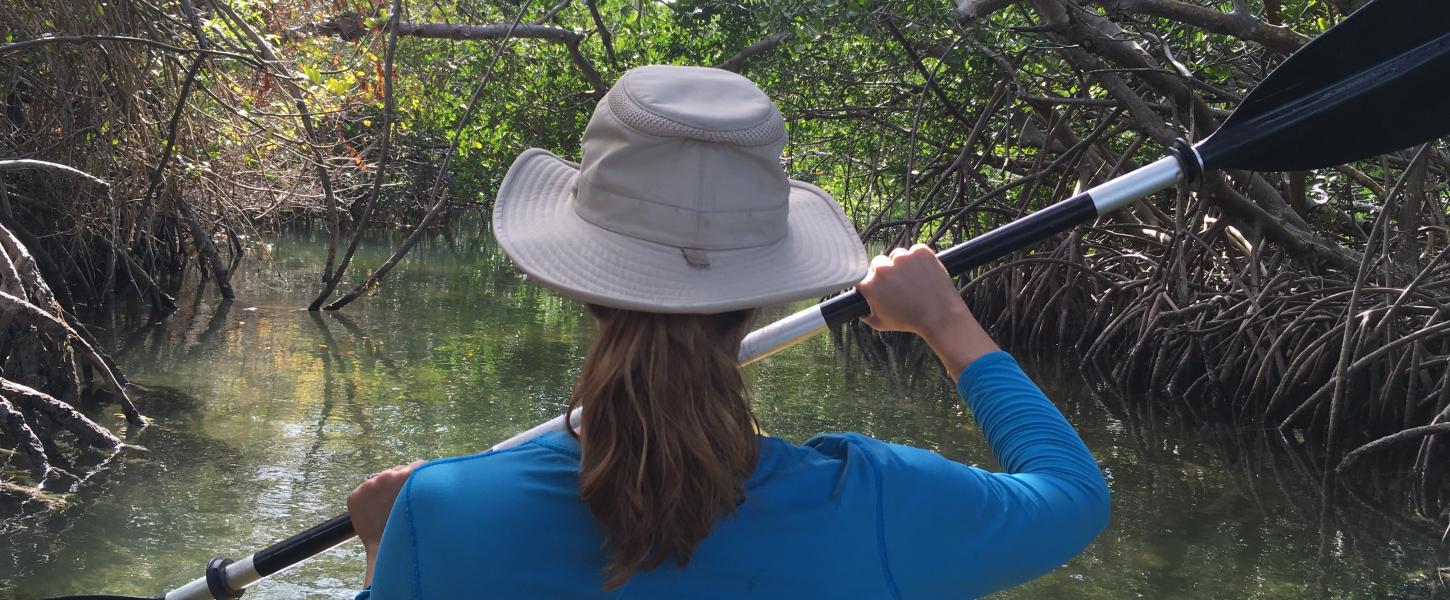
(947, 322)
(959, 341)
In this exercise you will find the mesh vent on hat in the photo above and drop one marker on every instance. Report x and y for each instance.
(769, 131)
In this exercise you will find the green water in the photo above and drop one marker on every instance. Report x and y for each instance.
(265, 416)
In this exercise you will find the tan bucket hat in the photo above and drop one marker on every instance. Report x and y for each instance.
(679, 206)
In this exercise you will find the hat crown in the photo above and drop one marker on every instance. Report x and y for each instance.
(694, 102)
(686, 157)
(679, 204)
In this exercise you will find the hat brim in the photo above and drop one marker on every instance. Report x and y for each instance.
(535, 224)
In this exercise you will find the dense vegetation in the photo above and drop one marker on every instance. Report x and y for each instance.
(1313, 302)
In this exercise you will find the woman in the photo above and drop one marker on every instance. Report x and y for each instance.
(677, 224)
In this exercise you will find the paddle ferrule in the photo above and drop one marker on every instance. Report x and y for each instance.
(1159, 175)
(234, 576)
(216, 580)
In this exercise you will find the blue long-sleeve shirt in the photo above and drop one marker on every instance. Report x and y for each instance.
(843, 515)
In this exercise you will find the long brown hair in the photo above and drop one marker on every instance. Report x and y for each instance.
(668, 436)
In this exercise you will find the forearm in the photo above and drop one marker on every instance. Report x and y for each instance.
(1026, 432)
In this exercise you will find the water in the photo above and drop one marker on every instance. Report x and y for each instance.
(265, 416)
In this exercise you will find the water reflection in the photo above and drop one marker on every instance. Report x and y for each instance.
(266, 415)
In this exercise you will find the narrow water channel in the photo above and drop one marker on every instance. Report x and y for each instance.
(266, 415)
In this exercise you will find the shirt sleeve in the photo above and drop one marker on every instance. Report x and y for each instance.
(395, 574)
(952, 531)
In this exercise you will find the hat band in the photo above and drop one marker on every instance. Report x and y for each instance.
(678, 226)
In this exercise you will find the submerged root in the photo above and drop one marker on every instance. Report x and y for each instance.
(16, 498)
(40, 348)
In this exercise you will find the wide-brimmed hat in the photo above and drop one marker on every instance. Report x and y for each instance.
(680, 204)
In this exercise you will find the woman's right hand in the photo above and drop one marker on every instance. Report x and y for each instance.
(370, 504)
(910, 290)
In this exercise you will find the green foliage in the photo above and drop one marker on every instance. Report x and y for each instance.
(863, 123)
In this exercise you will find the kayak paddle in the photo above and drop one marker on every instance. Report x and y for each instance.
(1372, 84)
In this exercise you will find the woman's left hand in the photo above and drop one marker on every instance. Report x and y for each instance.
(369, 505)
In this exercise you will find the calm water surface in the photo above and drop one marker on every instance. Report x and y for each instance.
(265, 416)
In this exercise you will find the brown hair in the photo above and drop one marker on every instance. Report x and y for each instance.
(668, 435)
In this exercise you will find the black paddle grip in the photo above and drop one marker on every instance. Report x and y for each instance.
(982, 249)
(305, 545)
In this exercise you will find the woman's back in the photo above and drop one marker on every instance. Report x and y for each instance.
(844, 515)
(513, 523)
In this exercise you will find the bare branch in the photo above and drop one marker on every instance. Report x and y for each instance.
(604, 36)
(439, 192)
(735, 62)
(459, 31)
(1240, 23)
(26, 163)
(552, 12)
(926, 74)
(349, 24)
(385, 146)
(299, 101)
(92, 39)
(976, 9)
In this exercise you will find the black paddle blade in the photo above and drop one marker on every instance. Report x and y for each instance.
(1375, 83)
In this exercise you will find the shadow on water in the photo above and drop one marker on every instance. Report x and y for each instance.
(267, 415)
